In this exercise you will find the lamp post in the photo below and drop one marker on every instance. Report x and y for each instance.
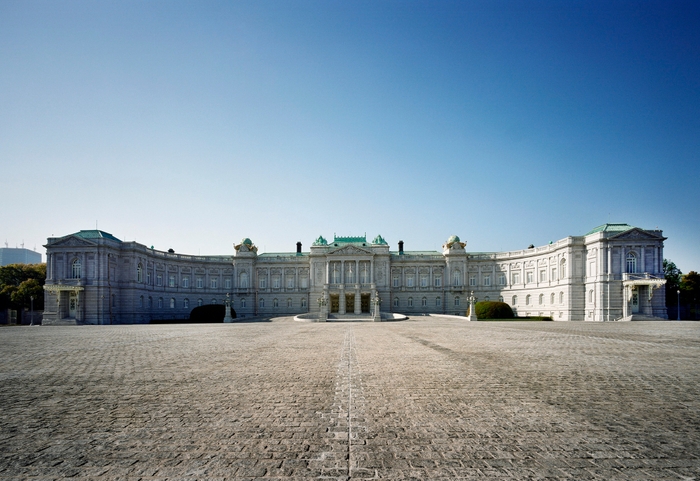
(679, 304)
(31, 303)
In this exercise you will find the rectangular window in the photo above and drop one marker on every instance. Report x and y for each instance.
(501, 279)
(200, 283)
(472, 280)
(529, 276)
(487, 279)
(304, 283)
(424, 281)
(409, 281)
(275, 282)
(290, 283)
(185, 282)
(516, 277)
(438, 281)
(214, 283)
(171, 281)
(148, 278)
(554, 273)
(395, 281)
(227, 283)
(543, 275)
(159, 280)
(263, 283)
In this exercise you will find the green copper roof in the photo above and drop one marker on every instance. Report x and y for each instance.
(95, 234)
(611, 228)
(349, 240)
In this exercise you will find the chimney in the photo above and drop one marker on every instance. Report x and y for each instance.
(400, 248)
(298, 247)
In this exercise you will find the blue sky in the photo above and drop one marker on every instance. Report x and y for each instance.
(190, 125)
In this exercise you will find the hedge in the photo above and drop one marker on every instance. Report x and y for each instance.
(493, 310)
(210, 313)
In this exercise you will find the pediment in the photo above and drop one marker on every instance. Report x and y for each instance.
(73, 241)
(350, 251)
(635, 234)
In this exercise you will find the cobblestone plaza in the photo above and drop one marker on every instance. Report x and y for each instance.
(427, 398)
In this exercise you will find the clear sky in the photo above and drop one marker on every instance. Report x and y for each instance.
(190, 125)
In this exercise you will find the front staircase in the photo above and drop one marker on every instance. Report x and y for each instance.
(364, 317)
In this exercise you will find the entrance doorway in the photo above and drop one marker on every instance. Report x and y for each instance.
(364, 302)
(635, 302)
(73, 305)
(335, 302)
(350, 303)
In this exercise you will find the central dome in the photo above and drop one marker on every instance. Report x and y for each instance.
(453, 239)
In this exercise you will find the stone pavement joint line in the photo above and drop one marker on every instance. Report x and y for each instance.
(427, 398)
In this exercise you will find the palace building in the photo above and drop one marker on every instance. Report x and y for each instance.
(612, 273)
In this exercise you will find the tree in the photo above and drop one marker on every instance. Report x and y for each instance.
(672, 274)
(690, 292)
(19, 282)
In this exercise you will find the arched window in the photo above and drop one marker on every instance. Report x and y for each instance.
(410, 302)
(396, 302)
(213, 301)
(457, 278)
(289, 302)
(160, 303)
(541, 299)
(438, 301)
(243, 303)
(487, 298)
(561, 297)
(500, 298)
(275, 302)
(76, 269)
(527, 300)
(243, 280)
(424, 302)
(551, 298)
(186, 304)
(200, 302)
(457, 301)
(562, 269)
(150, 302)
(632, 263)
(515, 300)
(139, 273)
(172, 303)
(141, 301)
(261, 303)
(303, 302)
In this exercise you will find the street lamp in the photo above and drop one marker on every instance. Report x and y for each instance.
(679, 304)
(31, 303)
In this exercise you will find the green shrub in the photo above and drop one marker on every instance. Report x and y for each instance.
(493, 310)
(210, 313)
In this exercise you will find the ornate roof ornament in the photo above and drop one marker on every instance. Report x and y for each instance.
(379, 240)
(454, 243)
(246, 245)
(320, 241)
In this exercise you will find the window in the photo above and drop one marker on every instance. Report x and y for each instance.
(409, 281)
(227, 283)
(395, 281)
(243, 280)
(171, 281)
(424, 302)
(438, 301)
(562, 268)
(457, 278)
(529, 276)
(554, 273)
(76, 269)
(349, 275)
(141, 301)
(364, 275)
(275, 282)
(263, 283)
(304, 283)
(438, 281)
(148, 278)
(186, 304)
(515, 300)
(213, 301)
(214, 282)
(172, 303)
(561, 297)
(543, 275)
(516, 278)
(275, 302)
(487, 280)
(631, 263)
(500, 298)
(541, 299)
(290, 283)
(423, 280)
(591, 296)
(186, 282)
(159, 280)
(200, 302)
(551, 298)
(410, 302)
(243, 303)
(457, 301)
(527, 300)
(289, 303)
(472, 280)
(150, 302)
(139, 274)
(501, 279)
(303, 302)
(261, 303)
(336, 274)
(396, 302)
(487, 298)
(160, 303)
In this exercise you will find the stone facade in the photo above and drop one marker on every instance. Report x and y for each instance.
(614, 272)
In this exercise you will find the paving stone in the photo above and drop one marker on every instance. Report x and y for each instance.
(427, 398)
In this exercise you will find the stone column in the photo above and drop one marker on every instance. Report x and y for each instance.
(358, 301)
(642, 263)
(341, 300)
